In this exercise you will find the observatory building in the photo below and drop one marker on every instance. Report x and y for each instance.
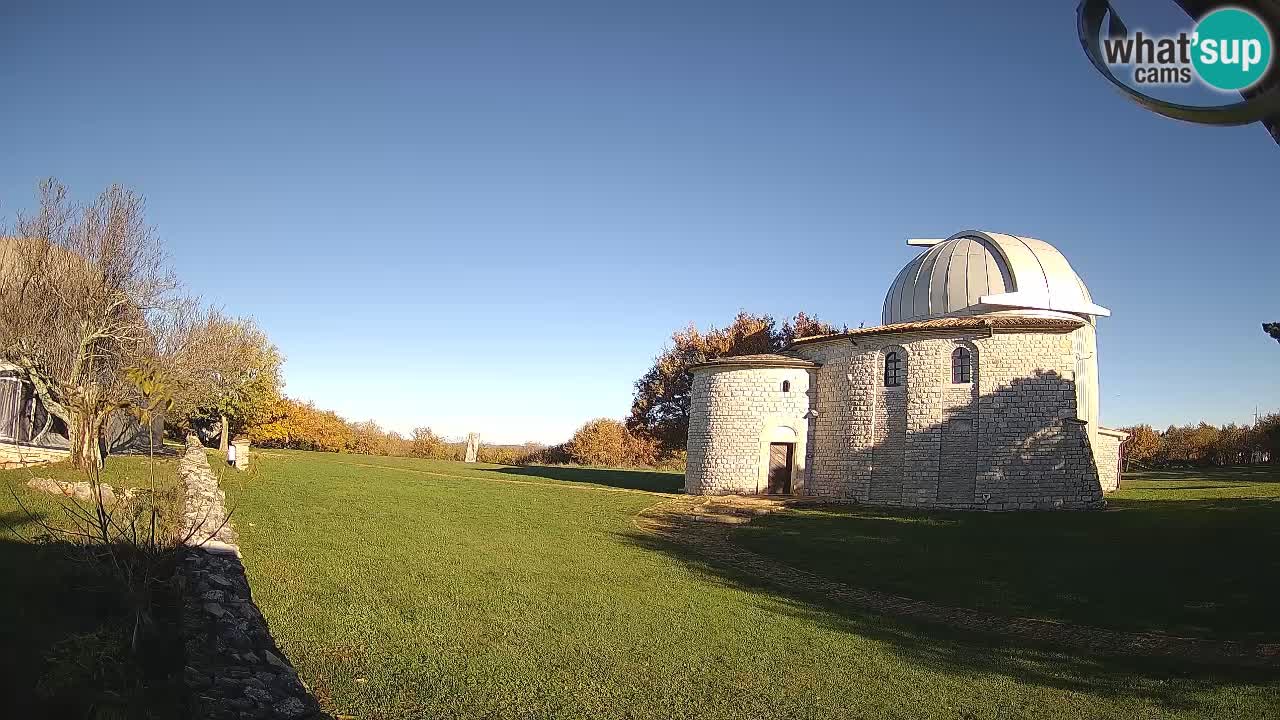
(978, 391)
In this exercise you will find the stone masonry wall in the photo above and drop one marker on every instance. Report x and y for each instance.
(1008, 440)
(732, 411)
(842, 435)
(1033, 452)
(14, 455)
(1108, 452)
(234, 669)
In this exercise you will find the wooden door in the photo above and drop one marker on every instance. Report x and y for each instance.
(780, 460)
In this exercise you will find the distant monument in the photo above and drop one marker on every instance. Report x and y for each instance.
(473, 446)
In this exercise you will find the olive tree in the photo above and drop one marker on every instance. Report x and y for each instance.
(84, 288)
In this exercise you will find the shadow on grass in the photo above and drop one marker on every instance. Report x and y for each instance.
(1238, 473)
(650, 480)
(1173, 684)
(1197, 568)
(64, 634)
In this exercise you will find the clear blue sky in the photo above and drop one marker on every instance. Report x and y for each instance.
(490, 216)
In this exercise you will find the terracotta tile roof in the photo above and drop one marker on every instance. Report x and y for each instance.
(995, 322)
(761, 360)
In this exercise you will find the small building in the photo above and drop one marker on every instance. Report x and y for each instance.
(978, 391)
(30, 435)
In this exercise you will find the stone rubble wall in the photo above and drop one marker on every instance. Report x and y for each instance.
(1010, 440)
(732, 413)
(234, 669)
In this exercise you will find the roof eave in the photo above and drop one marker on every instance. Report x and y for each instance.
(1026, 324)
(722, 363)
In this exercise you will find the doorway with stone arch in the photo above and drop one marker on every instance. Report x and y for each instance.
(781, 458)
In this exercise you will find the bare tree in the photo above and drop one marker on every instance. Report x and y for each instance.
(83, 289)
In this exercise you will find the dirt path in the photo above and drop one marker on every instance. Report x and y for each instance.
(704, 524)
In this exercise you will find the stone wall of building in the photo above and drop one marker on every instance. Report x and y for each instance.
(1008, 440)
(735, 412)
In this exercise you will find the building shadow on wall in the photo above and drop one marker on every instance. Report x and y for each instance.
(1018, 447)
(1079, 565)
(648, 480)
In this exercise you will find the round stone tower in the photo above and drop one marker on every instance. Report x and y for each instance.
(748, 425)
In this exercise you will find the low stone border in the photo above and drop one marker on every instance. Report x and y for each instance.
(80, 490)
(234, 669)
(704, 525)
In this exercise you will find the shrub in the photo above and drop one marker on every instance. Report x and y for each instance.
(608, 443)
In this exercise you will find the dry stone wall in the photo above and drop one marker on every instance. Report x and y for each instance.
(234, 669)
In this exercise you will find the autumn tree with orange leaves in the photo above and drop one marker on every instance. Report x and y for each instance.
(660, 409)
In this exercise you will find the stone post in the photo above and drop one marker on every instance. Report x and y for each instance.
(242, 453)
(473, 447)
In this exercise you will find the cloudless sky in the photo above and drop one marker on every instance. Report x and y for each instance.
(491, 216)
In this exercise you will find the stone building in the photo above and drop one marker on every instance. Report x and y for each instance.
(978, 391)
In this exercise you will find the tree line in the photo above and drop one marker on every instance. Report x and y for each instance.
(298, 425)
(97, 323)
(95, 320)
(1203, 444)
(653, 435)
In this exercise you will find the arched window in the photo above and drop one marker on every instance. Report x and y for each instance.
(961, 366)
(786, 386)
(893, 374)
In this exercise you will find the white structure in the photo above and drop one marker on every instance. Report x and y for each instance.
(978, 391)
(28, 434)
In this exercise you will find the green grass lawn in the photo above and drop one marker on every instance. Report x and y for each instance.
(409, 588)
(1190, 552)
(64, 625)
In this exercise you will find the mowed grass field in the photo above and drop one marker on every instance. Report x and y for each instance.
(409, 588)
(1194, 553)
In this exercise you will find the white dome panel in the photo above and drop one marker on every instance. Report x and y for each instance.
(975, 272)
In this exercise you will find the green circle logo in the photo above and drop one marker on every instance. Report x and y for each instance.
(1232, 49)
